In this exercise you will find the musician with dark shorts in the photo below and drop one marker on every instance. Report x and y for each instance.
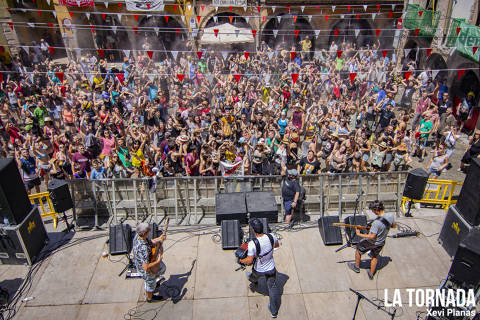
(260, 254)
(375, 239)
(142, 254)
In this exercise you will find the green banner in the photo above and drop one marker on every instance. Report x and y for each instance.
(468, 37)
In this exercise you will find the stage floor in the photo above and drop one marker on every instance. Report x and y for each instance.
(77, 283)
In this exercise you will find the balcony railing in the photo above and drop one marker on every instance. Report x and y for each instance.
(424, 20)
(467, 38)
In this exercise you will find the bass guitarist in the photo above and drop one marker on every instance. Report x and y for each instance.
(375, 239)
(150, 267)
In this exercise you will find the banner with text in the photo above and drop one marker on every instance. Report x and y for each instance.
(145, 5)
(229, 3)
(232, 169)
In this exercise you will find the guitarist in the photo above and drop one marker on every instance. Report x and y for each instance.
(375, 239)
(142, 254)
(260, 254)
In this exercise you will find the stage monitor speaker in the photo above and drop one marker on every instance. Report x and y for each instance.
(231, 234)
(330, 235)
(120, 239)
(360, 220)
(14, 202)
(468, 203)
(266, 229)
(22, 243)
(465, 269)
(60, 195)
(454, 229)
(262, 204)
(415, 184)
(231, 206)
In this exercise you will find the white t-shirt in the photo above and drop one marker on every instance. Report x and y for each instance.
(265, 263)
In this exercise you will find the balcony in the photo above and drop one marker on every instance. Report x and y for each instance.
(467, 38)
(424, 20)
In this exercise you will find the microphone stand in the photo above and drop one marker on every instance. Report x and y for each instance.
(347, 236)
(360, 296)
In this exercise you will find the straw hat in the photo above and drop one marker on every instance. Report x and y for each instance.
(182, 139)
(382, 144)
(47, 119)
(402, 147)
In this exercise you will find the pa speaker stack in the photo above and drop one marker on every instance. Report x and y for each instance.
(415, 184)
(60, 195)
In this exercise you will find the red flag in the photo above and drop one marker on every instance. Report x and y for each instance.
(92, 28)
(198, 19)
(199, 54)
(352, 76)
(335, 32)
(294, 77)
(384, 53)
(246, 54)
(292, 54)
(2, 49)
(407, 74)
(10, 24)
(50, 25)
(120, 77)
(135, 29)
(458, 30)
(339, 53)
(237, 77)
(349, 8)
(203, 7)
(429, 52)
(175, 6)
(148, 6)
(216, 32)
(420, 13)
(100, 52)
(71, 14)
(177, 31)
(296, 33)
(51, 49)
(180, 77)
(135, 16)
(475, 48)
(104, 16)
(254, 32)
(294, 19)
(231, 19)
(358, 16)
(9, 11)
(264, 18)
(231, 8)
(416, 31)
(288, 8)
(390, 15)
(326, 18)
(1, 77)
(39, 12)
(460, 73)
(166, 18)
(377, 32)
(59, 76)
(378, 7)
(318, 8)
(119, 5)
(259, 8)
(150, 54)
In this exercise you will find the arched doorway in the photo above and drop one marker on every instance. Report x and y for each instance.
(460, 90)
(353, 30)
(105, 37)
(235, 20)
(286, 27)
(412, 48)
(436, 62)
(227, 17)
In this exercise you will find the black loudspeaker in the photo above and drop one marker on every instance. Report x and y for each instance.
(266, 229)
(120, 239)
(465, 267)
(360, 220)
(22, 243)
(454, 229)
(468, 203)
(415, 184)
(14, 202)
(330, 235)
(231, 234)
(231, 206)
(262, 205)
(60, 195)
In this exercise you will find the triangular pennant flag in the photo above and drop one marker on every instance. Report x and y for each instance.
(202, 7)
(31, 24)
(136, 17)
(246, 54)
(292, 55)
(106, 4)
(342, 16)
(174, 54)
(407, 52)
(55, 14)
(279, 18)
(216, 9)
(101, 52)
(270, 54)
(247, 18)
(10, 24)
(114, 29)
(429, 52)
(237, 32)
(296, 33)
(326, 18)
(210, 77)
(199, 54)
(119, 5)
(309, 18)
(180, 77)
(254, 32)
(151, 77)
(264, 18)
(357, 32)
(407, 74)
(127, 53)
(90, 79)
(166, 18)
(267, 77)
(352, 76)
(150, 54)
(224, 55)
(59, 76)
(78, 3)
(374, 15)
(349, 8)
(288, 8)
(294, 77)
(384, 53)
(318, 54)
(215, 19)
(259, 8)
(135, 30)
(237, 77)
(26, 48)
(358, 16)
(435, 73)
(229, 18)
(78, 52)
(104, 16)
(335, 32)
(377, 32)
(1, 77)
(365, 7)
(156, 29)
(70, 13)
(51, 49)
(274, 8)
(420, 13)
(39, 13)
(416, 31)
(50, 25)
(333, 8)
(458, 30)
(48, 2)
(120, 77)
(198, 19)
(452, 51)
(119, 16)
(231, 8)
(460, 73)
(294, 19)
(216, 32)
(393, 7)
(339, 53)
(317, 32)
(92, 28)
(390, 15)
(474, 48)
(378, 7)
(87, 14)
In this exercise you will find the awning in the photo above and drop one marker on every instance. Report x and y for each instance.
(227, 34)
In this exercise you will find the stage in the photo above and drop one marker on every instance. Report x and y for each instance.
(77, 283)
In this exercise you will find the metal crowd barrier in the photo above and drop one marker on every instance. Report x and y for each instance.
(191, 200)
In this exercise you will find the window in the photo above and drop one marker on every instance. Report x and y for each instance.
(431, 5)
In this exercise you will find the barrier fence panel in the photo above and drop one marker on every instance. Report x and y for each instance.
(191, 200)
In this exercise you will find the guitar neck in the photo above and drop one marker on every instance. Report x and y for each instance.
(350, 226)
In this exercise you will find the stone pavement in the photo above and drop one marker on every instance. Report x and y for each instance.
(77, 283)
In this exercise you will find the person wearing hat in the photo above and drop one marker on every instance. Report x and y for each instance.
(142, 251)
(378, 155)
(290, 193)
(260, 254)
(400, 158)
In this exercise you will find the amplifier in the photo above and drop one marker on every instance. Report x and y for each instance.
(454, 229)
(262, 204)
(231, 206)
(120, 239)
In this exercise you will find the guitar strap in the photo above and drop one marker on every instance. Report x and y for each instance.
(384, 221)
(257, 246)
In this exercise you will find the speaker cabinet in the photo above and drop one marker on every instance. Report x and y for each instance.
(468, 203)
(262, 204)
(120, 239)
(14, 202)
(231, 206)
(465, 267)
(330, 235)
(454, 229)
(60, 195)
(231, 234)
(415, 184)
(266, 229)
(359, 220)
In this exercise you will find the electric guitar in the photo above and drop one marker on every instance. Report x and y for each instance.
(157, 251)
(339, 224)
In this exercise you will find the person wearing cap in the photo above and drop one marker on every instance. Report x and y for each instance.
(290, 193)
(142, 256)
(260, 254)
(400, 158)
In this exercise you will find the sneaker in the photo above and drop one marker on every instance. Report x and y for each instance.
(253, 287)
(370, 276)
(352, 266)
(156, 298)
(421, 160)
(274, 316)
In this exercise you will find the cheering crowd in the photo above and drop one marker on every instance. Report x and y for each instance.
(93, 119)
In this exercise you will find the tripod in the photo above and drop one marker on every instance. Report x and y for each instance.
(347, 234)
(361, 296)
